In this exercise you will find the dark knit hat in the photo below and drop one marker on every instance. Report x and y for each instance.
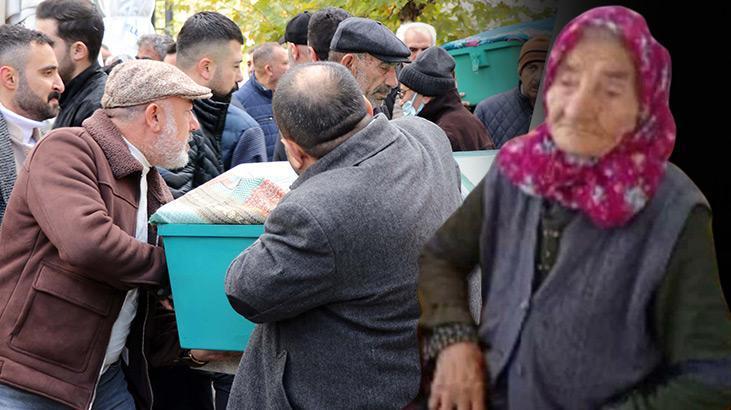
(535, 49)
(296, 31)
(431, 73)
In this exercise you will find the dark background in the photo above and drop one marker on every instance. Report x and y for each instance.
(698, 38)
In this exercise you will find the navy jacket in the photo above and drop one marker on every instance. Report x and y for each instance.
(242, 138)
(505, 115)
(257, 101)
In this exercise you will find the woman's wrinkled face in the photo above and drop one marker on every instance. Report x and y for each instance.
(593, 101)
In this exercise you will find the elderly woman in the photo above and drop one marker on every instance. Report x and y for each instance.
(600, 284)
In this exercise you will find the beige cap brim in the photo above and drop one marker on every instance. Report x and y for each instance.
(143, 81)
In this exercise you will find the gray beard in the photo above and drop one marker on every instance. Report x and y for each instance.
(167, 147)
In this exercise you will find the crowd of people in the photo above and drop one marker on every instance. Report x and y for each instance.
(599, 282)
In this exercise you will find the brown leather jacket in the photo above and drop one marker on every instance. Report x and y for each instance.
(68, 255)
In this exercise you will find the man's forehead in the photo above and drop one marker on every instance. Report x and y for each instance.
(48, 26)
(220, 52)
(41, 55)
(281, 51)
(417, 34)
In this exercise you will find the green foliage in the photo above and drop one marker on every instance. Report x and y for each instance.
(264, 20)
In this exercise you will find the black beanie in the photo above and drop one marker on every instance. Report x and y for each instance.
(430, 74)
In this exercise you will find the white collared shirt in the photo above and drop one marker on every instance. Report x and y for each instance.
(25, 125)
(121, 327)
(24, 134)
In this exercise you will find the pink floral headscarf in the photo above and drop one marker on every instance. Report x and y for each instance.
(612, 189)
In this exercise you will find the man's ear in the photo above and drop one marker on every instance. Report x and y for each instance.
(9, 77)
(78, 52)
(425, 100)
(295, 154)
(313, 55)
(349, 61)
(205, 68)
(153, 117)
(294, 51)
(268, 70)
(369, 106)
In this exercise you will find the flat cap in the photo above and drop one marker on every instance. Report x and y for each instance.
(296, 31)
(361, 35)
(142, 81)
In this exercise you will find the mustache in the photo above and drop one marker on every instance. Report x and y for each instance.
(54, 94)
(385, 90)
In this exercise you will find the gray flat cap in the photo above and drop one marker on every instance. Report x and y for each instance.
(143, 81)
(360, 35)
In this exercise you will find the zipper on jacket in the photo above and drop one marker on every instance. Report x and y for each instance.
(98, 378)
(144, 358)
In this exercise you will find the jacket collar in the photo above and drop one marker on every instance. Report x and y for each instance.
(369, 141)
(438, 106)
(211, 115)
(121, 160)
(78, 83)
(260, 88)
(523, 99)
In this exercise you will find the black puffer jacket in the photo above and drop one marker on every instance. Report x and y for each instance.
(205, 161)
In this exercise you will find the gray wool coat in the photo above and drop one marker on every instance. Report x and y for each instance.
(7, 167)
(332, 281)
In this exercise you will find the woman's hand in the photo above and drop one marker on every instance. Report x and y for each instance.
(459, 378)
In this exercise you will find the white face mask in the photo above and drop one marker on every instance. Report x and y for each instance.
(408, 107)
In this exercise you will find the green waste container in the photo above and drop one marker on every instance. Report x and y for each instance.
(487, 63)
(486, 70)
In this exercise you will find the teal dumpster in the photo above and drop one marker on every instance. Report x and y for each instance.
(198, 257)
(487, 63)
(486, 70)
